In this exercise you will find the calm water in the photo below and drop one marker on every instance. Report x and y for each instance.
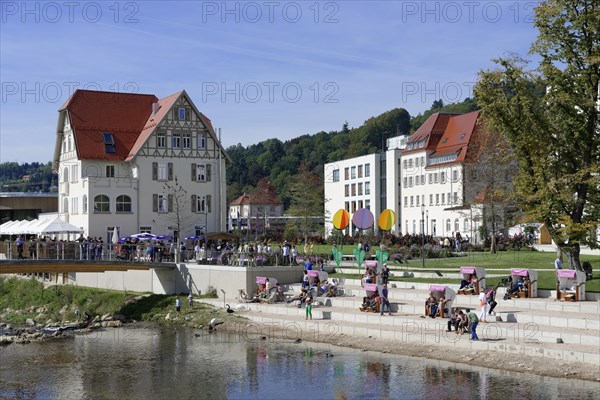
(169, 363)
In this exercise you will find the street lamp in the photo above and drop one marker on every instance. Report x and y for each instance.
(427, 221)
(423, 234)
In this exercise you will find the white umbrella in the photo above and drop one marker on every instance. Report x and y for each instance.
(115, 235)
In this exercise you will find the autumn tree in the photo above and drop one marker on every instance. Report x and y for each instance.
(179, 207)
(550, 115)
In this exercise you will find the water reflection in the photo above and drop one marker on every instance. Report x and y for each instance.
(164, 362)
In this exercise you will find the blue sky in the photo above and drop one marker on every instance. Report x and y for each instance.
(258, 70)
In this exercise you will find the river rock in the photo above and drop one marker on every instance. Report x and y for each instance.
(30, 322)
(119, 317)
(107, 317)
(64, 310)
(114, 324)
(168, 317)
(6, 340)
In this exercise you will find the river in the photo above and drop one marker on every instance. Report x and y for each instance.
(164, 362)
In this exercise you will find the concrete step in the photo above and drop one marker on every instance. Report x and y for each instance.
(407, 292)
(400, 319)
(407, 333)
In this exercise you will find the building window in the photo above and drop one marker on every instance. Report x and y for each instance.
(430, 199)
(404, 164)
(417, 162)
(360, 204)
(109, 143)
(448, 226)
(74, 173)
(346, 190)
(435, 177)
(176, 140)
(414, 227)
(200, 203)
(110, 171)
(360, 171)
(84, 204)
(163, 172)
(145, 229)
(161, 140)
(443, 177)
(354, 189)
(455, 175)
(347, 206)
(437, 199)
(201, 172)
(405, 201)
(422, 179)
(410, 181)
(201, 141)
(367, 188)
(65, 205)
(430, 178)
(412, 201)
(101, 204)
(162, 204)
(406, 226)
(417, 201)
(423, 160)
(336, 175)
(368, 204)
(367, 170)
(405, 182)
(353, 206)
(443, 199)
(183, 113)
(410, 163)
(353, 173)
(123, 204)
(456, 225)
(465, 225)
(360, 189)
(74, 205)
(187, 141)
(449, 199)
(346, 173)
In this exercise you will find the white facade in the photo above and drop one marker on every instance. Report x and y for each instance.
(352, 184)
(130, 194)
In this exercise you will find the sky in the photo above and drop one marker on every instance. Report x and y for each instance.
(257, 69)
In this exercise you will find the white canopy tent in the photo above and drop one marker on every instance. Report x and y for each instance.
(43, 226)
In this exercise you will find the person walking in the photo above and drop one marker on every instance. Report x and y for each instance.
(473, 325)
(191, 301)
(309, 302)
(384, 300)
(484, 306)
(178, 304)
(491, 300)
(558, 264)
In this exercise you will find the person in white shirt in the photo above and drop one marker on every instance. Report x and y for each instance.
(484, 306)
(558, 263)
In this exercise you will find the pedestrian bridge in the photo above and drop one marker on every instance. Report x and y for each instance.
(67, 266)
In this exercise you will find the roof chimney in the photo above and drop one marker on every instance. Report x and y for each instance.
(155, 108)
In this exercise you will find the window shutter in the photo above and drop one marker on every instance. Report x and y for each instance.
(155, 202)
(208, 196)
(193, 172)
(170, 202)
(194, 203)
(154, 171)
(208, 172)
(170, 171)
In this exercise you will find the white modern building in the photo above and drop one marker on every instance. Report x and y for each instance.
(430, 180)
(117, 154)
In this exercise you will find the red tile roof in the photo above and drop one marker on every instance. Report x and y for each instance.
(446, 134)
(265, 193)
(92, 113)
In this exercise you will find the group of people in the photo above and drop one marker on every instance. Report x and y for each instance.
(463, 322)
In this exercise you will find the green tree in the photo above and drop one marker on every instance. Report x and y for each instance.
(551, 117)
(306, 194)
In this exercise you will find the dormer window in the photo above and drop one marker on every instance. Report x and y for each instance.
(109, 142)
(445, 140)
(462, 136)
(181, 113)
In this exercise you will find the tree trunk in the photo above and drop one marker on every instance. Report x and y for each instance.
(572, 252)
